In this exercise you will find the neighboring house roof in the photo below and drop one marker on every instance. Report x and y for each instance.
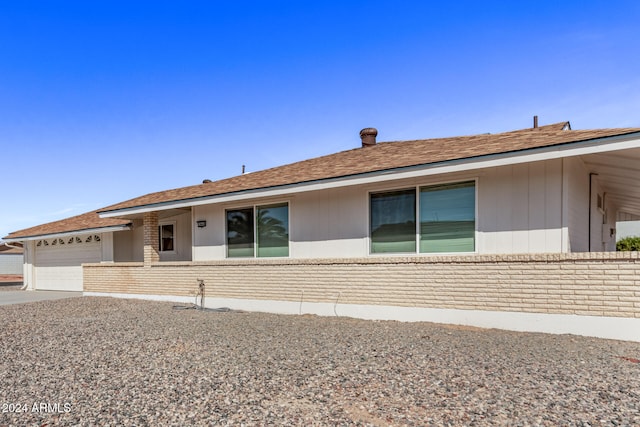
(380, 157)
(87, 222)
(10, 250)
(383, 156)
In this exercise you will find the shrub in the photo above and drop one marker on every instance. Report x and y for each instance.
(628, 244)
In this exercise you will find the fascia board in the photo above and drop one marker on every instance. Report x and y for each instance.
(572, 149)
(69, 233)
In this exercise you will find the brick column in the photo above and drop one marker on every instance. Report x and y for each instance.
(151, 242)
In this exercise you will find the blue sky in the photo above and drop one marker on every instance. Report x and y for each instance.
(102, 101)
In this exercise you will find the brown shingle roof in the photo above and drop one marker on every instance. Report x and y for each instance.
(86, 221)
(380, 157)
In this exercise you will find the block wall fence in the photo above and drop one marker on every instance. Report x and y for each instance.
(585, 284)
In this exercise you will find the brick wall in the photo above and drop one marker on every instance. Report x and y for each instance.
(592, 284)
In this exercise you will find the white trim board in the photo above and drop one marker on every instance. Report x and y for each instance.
(618, 328)
(71, 233)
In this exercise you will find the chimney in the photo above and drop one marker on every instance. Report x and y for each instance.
(368, 136)
(535, 122)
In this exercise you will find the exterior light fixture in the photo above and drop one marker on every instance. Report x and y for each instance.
(201, 223)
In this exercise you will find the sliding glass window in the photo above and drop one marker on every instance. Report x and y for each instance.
(273, 230)
(447, 220)
(393, 221)
(448, 217)
(271, 226)
(240, 233)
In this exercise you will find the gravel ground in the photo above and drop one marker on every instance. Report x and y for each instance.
(102, 361)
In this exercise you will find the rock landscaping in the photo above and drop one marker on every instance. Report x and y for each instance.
(113, 362)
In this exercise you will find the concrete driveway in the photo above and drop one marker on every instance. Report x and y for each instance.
(21, 297)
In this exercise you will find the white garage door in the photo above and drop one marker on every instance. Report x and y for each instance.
(58, 261)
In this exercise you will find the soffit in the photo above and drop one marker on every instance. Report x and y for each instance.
(618, 172)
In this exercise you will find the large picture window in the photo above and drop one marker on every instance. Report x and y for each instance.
(240, 233)
(393, 221)
(270, 223)
(446, 219)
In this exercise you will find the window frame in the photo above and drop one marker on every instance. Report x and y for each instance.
(253, 231)
(174, 237)
(415, 217)
(417, 188)
(255, 208)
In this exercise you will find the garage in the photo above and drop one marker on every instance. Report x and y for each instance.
(58, 261)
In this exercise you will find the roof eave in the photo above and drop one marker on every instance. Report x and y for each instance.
(568, 149)
(68, 233)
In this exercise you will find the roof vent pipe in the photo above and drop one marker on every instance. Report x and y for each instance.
(535, 122)
(368, 136)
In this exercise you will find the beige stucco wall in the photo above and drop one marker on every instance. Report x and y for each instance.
(128, 246)
(576, 208)
(590, 284)
(182, 238)
(520, 209)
